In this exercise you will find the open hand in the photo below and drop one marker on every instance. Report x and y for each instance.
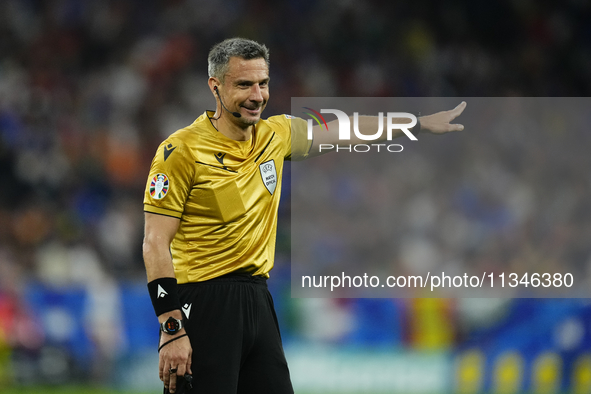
(440, 122)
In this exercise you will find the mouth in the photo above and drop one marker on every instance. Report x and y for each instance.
(253, 111)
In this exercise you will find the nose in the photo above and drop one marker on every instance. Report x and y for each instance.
(256, 94)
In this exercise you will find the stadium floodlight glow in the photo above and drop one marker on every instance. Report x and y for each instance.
(345, 125)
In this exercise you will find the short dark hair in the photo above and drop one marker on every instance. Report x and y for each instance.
(220, 54)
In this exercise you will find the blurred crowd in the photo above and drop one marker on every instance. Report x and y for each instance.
(88, 89)
(510, 195)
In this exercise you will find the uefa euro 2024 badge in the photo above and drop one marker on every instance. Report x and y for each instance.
(269, 175)
(159, 186)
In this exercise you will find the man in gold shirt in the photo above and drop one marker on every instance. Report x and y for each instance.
(210, 225)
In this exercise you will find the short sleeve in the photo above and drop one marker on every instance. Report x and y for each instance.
(170, 180)
(295, 134)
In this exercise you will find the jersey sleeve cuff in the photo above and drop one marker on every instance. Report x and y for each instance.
(162, 211)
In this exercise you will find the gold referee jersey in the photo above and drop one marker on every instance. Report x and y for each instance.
(225, 193)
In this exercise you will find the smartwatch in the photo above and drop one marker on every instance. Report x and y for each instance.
(171, 326)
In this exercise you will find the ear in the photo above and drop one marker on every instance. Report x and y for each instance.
(213, 83)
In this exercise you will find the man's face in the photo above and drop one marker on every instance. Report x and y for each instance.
(246, 88)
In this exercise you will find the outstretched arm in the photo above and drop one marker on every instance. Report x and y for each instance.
(159, 233)
(437, 123)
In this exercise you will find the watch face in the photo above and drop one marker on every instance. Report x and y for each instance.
(171, 325)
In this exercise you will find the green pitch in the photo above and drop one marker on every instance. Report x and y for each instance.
(70, 390)
(83, 390)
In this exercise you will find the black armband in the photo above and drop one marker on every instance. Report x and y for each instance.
(164, 295)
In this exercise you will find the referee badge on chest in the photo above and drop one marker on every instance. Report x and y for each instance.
(269, 175)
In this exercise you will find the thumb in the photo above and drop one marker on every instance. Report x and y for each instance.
(457, 127)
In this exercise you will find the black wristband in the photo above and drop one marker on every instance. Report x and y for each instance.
(172, 340)
(164, 295)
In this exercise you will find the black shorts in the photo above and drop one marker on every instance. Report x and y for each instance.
(235, 336)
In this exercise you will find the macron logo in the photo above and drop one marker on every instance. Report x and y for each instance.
(161, 292)
(187, 309)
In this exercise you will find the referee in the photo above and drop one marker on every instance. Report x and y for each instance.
(210, 225)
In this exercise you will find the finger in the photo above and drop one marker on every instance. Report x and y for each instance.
(172, 382)
(160, 370)
(181, 370)
(458, 110)
(166, 379)
(167, 376)
(456, 127)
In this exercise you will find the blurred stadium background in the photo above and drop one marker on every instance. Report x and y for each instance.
(88, 89)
